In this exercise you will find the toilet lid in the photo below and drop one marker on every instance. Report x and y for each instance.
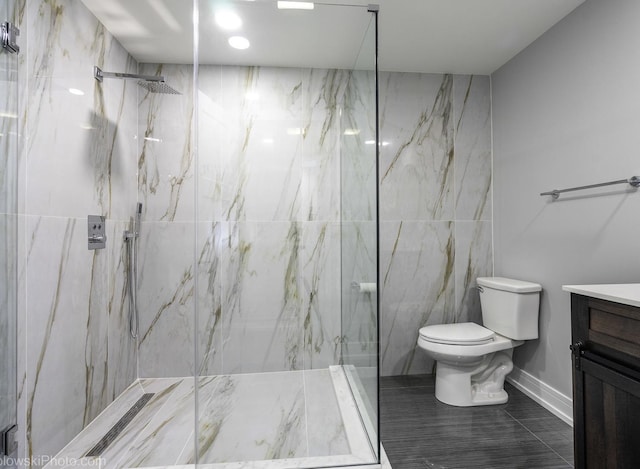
(464, 333)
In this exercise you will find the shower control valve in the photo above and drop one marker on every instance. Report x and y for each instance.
(97, 238)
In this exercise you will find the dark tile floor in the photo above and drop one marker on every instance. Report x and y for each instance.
(420, 432)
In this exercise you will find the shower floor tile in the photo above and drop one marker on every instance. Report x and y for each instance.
(291, 418)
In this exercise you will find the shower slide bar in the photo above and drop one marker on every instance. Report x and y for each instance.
(633, 181)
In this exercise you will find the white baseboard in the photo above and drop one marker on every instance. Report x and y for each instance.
(549, 398)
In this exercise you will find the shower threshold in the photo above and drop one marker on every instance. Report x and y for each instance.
(275, 420)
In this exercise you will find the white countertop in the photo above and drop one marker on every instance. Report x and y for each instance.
(625, 293)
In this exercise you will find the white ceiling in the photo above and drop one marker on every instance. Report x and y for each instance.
(432, 36)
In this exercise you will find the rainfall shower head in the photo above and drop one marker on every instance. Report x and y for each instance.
(157, 87)
(152, 83)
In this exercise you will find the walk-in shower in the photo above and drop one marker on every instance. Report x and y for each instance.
(220, 324)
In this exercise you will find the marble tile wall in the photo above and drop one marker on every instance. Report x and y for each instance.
(78, 157)
(436, 217)
(268, 232)
(166, 189)
(275, 174)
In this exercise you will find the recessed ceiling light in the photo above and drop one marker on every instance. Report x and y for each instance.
(295, 5)
(228, 20)
(239, 42)
(351, 131)
(76, 91)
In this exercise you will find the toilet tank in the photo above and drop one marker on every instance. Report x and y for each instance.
(510, 307)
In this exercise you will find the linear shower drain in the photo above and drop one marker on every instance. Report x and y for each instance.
(119, 427)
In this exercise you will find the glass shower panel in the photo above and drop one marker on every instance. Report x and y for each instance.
(274, 122)
(8, 229)
(359, 234)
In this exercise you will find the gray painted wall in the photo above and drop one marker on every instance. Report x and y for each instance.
(566, 112)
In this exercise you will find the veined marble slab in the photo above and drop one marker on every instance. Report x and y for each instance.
(358, 439)
(292, 419)
(77, 157)
(251, 417)
(166, 436)
(327, 429)
(73, 453)
(337, 462)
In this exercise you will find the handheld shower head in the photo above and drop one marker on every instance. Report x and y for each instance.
(138, 218)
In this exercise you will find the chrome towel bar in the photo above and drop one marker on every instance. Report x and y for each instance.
(633, 181)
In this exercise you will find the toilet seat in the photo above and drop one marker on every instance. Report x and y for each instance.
(463, 334)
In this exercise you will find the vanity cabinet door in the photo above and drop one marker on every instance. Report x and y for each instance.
(610, 418)
(606, 384)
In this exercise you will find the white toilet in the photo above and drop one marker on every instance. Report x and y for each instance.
(472, 360)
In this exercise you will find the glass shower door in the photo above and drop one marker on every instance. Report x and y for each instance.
(8, 234)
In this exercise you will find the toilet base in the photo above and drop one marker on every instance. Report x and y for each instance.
(482, 384)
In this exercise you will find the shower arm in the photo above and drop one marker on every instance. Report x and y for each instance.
(98, 74)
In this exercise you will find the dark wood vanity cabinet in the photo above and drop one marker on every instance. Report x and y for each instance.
(606, 383)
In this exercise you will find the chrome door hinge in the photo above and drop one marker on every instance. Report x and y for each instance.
(9, 37)
(8, 442)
